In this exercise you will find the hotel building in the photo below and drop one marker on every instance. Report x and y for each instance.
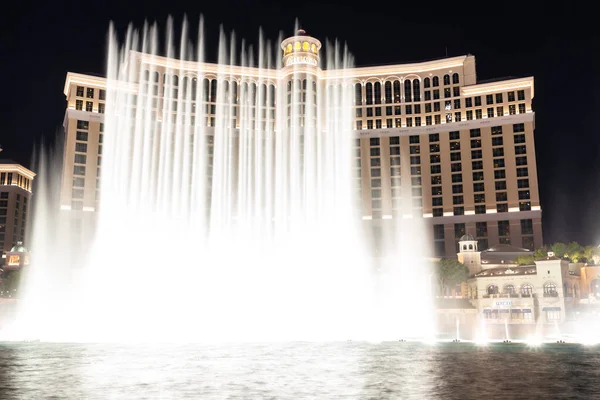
(461, 149)
(15, 200)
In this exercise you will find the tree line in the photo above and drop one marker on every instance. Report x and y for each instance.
(572, 252)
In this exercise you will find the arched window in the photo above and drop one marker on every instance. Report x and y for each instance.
(526, 290)
(358, 94)
(397, 92)
(509, 289)
(470, 247)
(377, 92)
(205, 89)
(271, 95)
(146, 75)
(426, 83)
(417, 90)
(156, 76)
(175, 80)
(234, 92)
(492, 289)
(464, 246)
(388, 92)
(243, 93)
(252, 93)
(436, 81)
(186, 85)
(550, 290)
(263, 94)
(407, 93)
(455, 77)
(213, 90)
(226, 90)
(289, 86)
(446, 79)
(369, 93)
(194, 85)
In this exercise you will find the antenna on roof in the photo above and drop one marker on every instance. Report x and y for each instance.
(0, 148)
(446, 51)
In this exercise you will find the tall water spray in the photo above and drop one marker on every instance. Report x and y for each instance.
(227, 209)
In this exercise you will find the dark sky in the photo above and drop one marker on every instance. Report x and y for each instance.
(41, 41)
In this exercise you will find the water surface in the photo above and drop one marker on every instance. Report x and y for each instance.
(349, 370)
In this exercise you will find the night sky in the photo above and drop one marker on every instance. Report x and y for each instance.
(41, 41)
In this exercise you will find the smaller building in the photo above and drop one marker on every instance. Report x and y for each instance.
(529, 299)
(15, 202)
(16, 258)
(10, 272)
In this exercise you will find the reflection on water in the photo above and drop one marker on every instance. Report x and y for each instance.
(297, 371)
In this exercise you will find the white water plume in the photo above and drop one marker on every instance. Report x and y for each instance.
(227, 209)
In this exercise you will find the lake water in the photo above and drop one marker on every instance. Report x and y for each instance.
(349, 370)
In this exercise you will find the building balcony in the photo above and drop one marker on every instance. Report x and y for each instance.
(506, 295)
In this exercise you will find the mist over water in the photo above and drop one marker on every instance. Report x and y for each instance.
(228, 210)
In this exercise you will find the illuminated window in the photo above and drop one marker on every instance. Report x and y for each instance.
(377, 87)
(407, 90)
(369, 92)
(417, 90)
(397, 93)
(388, 93)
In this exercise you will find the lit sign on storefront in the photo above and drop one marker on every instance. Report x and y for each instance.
(503, 303)
(301, 60)
(14, 260)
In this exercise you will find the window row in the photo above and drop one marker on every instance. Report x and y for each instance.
(89, 93)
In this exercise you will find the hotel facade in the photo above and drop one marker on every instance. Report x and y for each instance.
(15, 200)
(462, 149)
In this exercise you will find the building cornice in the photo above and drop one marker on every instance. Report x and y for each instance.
(447, 127)
(396, 69)
(498, 86)
(82, 79)
(17, 168)
(207, 68)
(84, 115)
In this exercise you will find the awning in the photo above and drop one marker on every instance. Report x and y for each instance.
(487, 310)
(526, 310)
(551, 309)
(504, 310)
(516, 310)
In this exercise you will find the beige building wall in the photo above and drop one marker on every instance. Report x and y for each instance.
(15, 204)
(403, 126)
